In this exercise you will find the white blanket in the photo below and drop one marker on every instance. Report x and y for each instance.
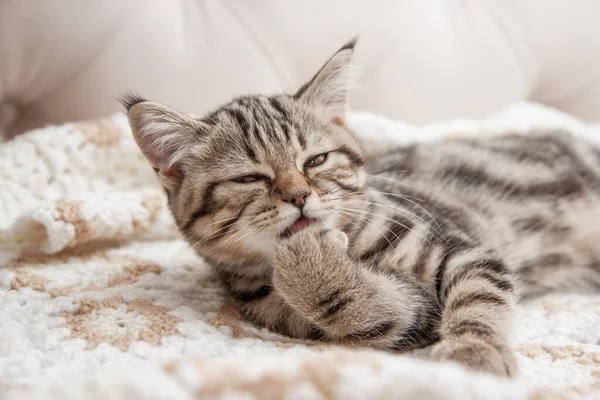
(99, 299)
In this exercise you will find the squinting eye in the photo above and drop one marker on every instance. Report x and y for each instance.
(251, 179)
(318, 160)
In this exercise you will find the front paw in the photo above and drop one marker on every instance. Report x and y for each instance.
(311, 265)
(477, 354)
(310, 245)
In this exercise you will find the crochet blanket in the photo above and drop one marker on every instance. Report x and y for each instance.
(100, 299)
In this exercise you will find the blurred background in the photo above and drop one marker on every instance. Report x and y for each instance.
(420, 61)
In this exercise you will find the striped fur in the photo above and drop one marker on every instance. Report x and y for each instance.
(427, 245)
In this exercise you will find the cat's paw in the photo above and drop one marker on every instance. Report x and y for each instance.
(313, 241)
(336, 238)
(311, 261)
(478, 355)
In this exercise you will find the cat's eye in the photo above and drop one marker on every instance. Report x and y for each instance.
(315, 161)
(251, 179)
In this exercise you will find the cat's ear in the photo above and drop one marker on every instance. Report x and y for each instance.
(163, 135)
(328, 89)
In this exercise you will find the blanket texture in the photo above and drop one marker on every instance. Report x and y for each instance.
(100, 299)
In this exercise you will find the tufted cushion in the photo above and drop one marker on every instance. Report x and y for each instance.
(420, 61)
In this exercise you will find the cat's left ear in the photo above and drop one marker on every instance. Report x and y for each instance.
(328, 89)
(164, 136)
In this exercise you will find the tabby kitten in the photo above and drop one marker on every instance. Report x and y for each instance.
(432, 247)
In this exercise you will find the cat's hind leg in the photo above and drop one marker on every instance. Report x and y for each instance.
(476, 291)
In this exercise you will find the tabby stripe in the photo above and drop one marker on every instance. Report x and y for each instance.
(439, 273)
(355, 158)
(535, 145)
(396, 233)
(342, 185)
(405, 161)
(227, 226)
(239, 117)
(576, 159)
(518, 154)
(502, 284)
(530, 224)
(278, 106)
(335, 308)
(206, 207)
(472, 176)
(530, 268)
(285, 128)
(315, 333)
(250, 151)
(471, 327)
(420, 334)
(330, 299)
(376, 332)
(256, 130)
(301, 138)
(409, 338)
(422, 260)
(441, 213)
(252, 295)
(454, 246)
(476, 269)
(561, 187)
(245, 125)
(471, 299)
(491, 264)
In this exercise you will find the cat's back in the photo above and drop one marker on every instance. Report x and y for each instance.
(535, 198)
(512, 168)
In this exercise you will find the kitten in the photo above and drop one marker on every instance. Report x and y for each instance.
(432, 247)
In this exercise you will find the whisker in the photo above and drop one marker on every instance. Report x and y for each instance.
(217, 236)
(219, 221)
(249, 229)
(403, 197)
(256, 233)
(349, 221)
(400, 211)
(402, 225)
(188, 236)
(366, 219)
(379, 173)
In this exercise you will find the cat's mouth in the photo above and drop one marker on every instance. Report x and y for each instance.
(297, 226)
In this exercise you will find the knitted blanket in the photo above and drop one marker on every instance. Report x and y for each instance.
(100, 299)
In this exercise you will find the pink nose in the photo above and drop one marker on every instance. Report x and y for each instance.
(298, 200)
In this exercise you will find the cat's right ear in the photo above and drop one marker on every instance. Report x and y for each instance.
(328, 89)
(163, 135)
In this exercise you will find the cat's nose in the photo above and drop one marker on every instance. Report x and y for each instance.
(292, 188)
(298, 200)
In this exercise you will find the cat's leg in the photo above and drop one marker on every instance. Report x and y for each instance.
(476, 291)
(348, 301)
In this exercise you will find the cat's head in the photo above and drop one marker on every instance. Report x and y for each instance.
(259, 168)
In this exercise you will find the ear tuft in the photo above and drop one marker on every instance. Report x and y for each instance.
(130, 99)
(350, 44)
(328, 89)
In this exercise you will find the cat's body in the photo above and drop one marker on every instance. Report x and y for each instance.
(533, 199)
(433, 246)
